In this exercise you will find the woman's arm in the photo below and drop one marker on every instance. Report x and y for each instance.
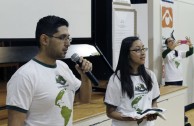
(154, 104)
(190, 52)
(113, 114)
(189, 43)
(152, 117)
(170, 48)
(16, 118)
(165, 52)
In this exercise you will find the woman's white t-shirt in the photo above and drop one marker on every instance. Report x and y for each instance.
(141, 101)
(173, 66)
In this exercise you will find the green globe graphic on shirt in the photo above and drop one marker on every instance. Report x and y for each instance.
(65, 111)
(176, 63)
(135, 102)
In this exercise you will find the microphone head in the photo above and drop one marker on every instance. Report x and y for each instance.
(75, 57)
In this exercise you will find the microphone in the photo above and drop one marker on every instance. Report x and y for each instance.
(75, 58)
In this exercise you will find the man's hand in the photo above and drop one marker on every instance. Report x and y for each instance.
(85, 66)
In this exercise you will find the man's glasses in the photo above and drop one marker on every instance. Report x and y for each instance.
(62, 37)
(140, 50)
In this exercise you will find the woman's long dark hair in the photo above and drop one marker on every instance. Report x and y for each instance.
(126, 69)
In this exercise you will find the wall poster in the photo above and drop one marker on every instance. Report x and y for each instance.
(124, 25)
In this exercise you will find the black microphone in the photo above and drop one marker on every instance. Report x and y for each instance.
(75, 58)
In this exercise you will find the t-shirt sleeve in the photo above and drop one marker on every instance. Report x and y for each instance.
(75, 81)
(113, 91)
(155, 89)
(19, 93)
(169, 56)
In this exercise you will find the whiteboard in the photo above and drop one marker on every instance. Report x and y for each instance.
(19, 17)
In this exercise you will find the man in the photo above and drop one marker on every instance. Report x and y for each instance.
(41, 92)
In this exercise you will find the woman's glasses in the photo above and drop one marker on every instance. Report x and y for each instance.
(140, 50)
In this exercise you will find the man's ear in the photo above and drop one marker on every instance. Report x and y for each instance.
(44, 40)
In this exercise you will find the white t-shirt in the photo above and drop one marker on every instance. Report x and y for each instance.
(141, 101)
(46, 93)
(173, 66)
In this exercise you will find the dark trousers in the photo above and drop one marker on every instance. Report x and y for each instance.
(178, 83)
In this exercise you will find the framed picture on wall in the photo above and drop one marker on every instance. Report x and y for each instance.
(124, 25)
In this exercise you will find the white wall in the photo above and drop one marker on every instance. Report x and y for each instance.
(184, 22)
(142, 25)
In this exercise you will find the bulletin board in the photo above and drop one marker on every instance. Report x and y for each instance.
(124, 25)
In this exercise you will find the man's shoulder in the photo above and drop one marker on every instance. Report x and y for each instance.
(61, 63)
(27, 67)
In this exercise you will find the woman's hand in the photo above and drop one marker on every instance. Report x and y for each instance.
(189, 41)
(152, 117)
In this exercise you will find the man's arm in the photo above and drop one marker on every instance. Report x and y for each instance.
(16, 118)
(85, 91)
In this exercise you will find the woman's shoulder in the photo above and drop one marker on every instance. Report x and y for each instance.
(115, 78)
(150, 72)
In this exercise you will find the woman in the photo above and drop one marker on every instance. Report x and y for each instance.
(172, 60)
(132, 88)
